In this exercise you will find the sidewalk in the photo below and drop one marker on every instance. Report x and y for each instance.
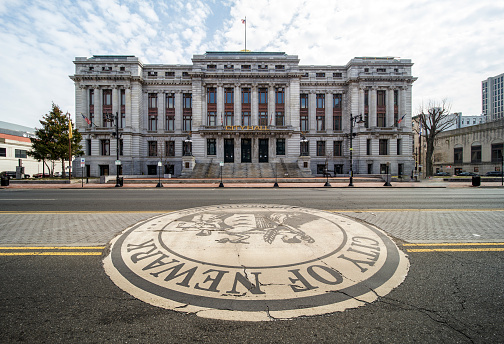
(245, 183)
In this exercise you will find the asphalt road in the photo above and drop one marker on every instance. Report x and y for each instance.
(449, 296)
(159, 200)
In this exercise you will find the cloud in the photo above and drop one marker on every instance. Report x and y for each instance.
(453, 44)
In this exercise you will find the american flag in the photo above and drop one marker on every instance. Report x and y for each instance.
(244, 21)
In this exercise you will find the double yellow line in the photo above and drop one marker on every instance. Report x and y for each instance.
(457, 247)
(51, 250)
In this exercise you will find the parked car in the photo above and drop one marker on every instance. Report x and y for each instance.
(57, 174)
(467, 174)
(9, 174)
(41, 175)
(494, 174)
(443, 174)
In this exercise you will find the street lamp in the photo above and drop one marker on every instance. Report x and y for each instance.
(115, 119)
(159, 185)
(353, 120)
(221, 185)
(326, 170)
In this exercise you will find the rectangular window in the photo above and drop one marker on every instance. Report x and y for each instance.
(337, 75)
(245, 95)
(187, 125)
(338, 148)
(263, 118)
(170, 148)
(88, 147)
(497, 152)
(369, 147)
(169, 74)
(122, 103)
(280, 147)
(304, 101)
(320, 75)
(383, 147)
(337, 112)
(475, 154)
(263, 96)
(170, 122)
(305, 148)
(320, 112)
(229, 96)
(187, 101)
(280, 119)
(152, 148)
(381, 100)
(3, 152)
(279, 96)
(279, 67)
(104, 147)
(152, 123)
(458, 155)
(245, 118)
(381, 119)
(320, 148)
(20, 153)
(245, 67)
(229, 118)
(399, 147)
(170, 101)
(303, 119)
(212, 119)
(211, 147)
(211, 95)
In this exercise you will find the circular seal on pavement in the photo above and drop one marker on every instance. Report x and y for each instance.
(255, 262)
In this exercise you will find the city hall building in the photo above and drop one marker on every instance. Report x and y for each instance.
(243, 109)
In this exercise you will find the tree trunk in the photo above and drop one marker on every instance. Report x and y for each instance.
(429, 168)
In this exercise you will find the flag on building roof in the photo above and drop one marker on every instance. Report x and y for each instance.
(244, 21)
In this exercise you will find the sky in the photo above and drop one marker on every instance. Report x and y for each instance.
(454, 44)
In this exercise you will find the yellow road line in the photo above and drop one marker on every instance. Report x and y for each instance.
(404, 210)
(459, 244)
(34, 253)
(488, 249)
(53, 248)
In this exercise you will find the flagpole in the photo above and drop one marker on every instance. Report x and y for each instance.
(70, 134)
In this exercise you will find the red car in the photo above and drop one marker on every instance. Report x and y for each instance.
(41, 175)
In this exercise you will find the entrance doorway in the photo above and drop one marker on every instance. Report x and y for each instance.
(228, 150)
(246, 150)
(104, 170)
(263, 150)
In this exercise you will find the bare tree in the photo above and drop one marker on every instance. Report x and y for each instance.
(432, 120)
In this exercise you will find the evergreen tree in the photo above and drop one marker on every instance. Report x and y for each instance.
(52, 140)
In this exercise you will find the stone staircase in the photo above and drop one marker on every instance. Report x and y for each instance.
(246, 170)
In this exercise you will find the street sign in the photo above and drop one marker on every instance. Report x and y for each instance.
(82, 162)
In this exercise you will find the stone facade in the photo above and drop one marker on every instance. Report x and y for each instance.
(476, 149)
(244, 107)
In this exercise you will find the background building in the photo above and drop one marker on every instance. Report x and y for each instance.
(462, 121)
(14, 146)
(254, 111)
(493, 97)
(475, 149)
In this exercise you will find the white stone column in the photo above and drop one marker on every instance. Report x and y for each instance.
(237, 106)
(372, 106)
(220, 104)
(288, 109)
(312, 102)
(161, 111)
(178, 110)
(402, 107)
(127, 106)
(83, 108)
(271, 104)
(115, 100)
(390, 107)
(254, 106)
(329, 113)
(361, 103)
(98, 112)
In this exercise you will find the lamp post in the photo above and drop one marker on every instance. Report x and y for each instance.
(114, 119)
(276, 176)
(221, 185)
(353, 120)
(326, 170)
(160, 164)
